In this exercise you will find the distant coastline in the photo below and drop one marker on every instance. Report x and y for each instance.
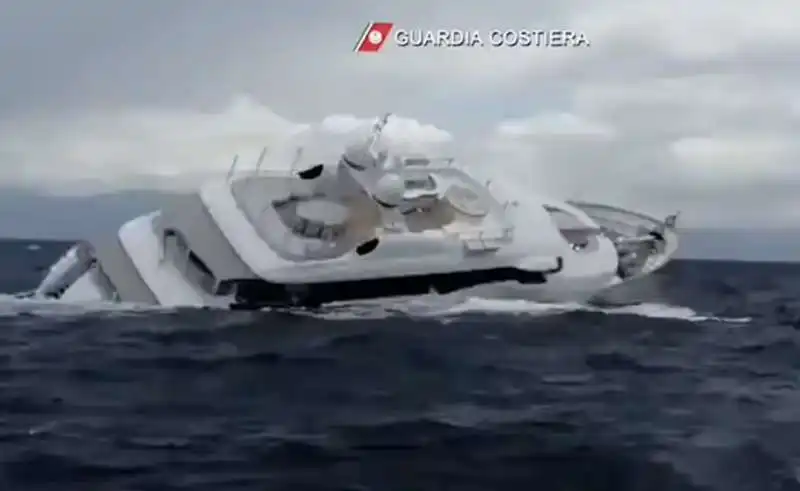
(29, 217)
(698, 245)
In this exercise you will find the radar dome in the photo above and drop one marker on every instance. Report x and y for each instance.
(389, 189)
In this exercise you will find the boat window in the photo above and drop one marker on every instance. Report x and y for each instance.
(193, 268)
(199, 264)
(225, 288)
(202, 275)
(418, 161)
(426, 183)
(174, 244)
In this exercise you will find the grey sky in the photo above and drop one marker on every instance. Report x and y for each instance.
(676, 105)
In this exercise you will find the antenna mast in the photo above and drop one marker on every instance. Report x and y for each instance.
(232, 168)
(261, 159)
(377, 131)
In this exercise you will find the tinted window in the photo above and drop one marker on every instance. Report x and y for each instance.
(420, 183)
(225, 288)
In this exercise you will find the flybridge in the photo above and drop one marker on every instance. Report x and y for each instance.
(416, 189)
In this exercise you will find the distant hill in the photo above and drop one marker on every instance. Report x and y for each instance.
(28, 215)
(752, 245)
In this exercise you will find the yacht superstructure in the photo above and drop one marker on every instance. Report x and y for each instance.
(369, 225)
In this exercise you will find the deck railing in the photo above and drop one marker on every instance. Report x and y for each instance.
(483, 239)
(235, 168)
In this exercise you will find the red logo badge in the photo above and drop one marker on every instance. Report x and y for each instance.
(373, 37)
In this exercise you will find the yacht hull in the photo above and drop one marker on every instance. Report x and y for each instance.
(138, 274)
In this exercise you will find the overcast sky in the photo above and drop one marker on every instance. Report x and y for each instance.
(678, 104)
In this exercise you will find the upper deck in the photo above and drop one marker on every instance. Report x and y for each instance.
(304, 221)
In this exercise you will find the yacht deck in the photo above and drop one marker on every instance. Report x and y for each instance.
(265, 197)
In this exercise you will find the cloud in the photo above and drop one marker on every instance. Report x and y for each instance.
(688, 105)
(177, 149)
(561, 154)
(691, 31)
(399, 130)
(550, 125)
(721, 161)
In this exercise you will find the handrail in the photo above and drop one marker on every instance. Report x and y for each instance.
(235, 167)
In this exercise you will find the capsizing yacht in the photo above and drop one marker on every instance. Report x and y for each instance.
(370, 225)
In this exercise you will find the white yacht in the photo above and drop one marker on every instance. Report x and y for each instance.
(371, 225)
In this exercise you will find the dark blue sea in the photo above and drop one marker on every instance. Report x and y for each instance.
(695, 388)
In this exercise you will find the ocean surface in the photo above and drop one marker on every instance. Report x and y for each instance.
(694, 388)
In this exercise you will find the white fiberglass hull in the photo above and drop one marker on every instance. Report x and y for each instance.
(580, 278)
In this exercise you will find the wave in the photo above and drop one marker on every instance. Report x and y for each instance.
(428, 306)
(645, 309)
